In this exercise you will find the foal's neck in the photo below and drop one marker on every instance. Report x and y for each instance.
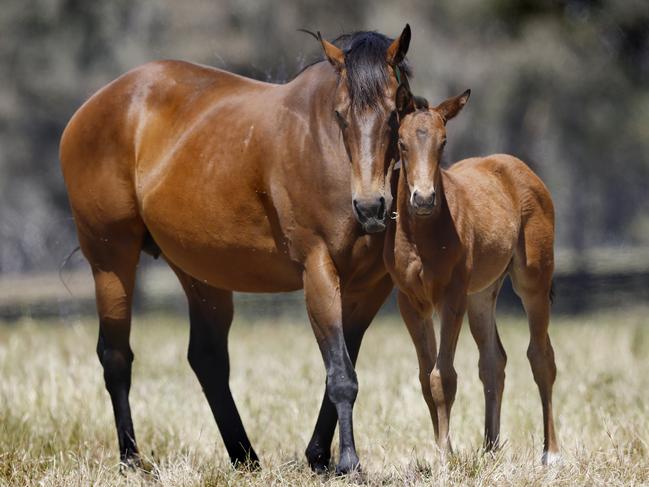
(427, 233)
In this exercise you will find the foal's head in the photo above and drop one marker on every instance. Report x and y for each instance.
(371, 95)
(422, 137)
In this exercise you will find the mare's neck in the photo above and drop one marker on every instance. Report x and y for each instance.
(310, 96)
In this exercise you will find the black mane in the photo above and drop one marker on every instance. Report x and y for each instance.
(367, 68)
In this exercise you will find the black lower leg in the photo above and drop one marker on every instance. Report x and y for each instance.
(318, 452)
(342, 388)
(117, 376)
(210, 362)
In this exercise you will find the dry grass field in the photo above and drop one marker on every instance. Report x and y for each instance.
(56, 425)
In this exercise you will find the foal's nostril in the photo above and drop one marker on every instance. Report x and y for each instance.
(423, 201)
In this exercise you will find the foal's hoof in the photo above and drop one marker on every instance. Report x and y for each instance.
(349, 463)
(551, 458)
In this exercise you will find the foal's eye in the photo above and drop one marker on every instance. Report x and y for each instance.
(443, 144)
(402, 146)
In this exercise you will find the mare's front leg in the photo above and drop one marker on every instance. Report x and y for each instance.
(443, 378)
(357, 316)
(324, 305)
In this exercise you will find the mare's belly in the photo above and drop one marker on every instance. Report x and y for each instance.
(238, 269)
(246, 265)
(228, 239)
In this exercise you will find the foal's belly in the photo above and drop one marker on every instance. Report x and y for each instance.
(491, 260)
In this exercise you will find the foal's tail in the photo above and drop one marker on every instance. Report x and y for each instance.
(63, 264)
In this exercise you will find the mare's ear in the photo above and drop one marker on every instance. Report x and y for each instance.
(399, 47)
(334, 54)
(451, 107)
(405, 101)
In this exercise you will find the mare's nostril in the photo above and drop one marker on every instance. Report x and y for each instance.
(381, 212)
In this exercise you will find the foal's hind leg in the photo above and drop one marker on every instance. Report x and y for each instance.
(532, 280)
(482, 321)
(210, 316)
(113, 260)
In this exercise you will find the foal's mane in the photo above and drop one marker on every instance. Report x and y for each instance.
(366, 65)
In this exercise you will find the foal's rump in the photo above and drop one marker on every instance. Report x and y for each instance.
(509, 208)
(504, 185)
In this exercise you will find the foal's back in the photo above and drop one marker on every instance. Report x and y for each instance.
(496, 202)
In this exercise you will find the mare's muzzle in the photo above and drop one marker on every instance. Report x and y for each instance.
(371, 213)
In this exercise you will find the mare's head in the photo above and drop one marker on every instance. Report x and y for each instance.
(422, 137)
(371, 95)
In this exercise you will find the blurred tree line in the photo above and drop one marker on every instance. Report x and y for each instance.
(563, 84)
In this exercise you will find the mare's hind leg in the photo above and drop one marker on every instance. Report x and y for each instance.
(532, 280)
(357, 316)
(482, 321)
(113, 260)
(210, 315)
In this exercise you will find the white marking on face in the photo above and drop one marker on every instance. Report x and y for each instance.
(417, 190)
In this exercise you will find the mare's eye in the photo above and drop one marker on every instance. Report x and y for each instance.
(341, 119)
(443, 144)
(402, 146)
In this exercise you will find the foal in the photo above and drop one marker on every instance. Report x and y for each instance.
(458, 232)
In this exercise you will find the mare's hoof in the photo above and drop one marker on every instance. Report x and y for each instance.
(349, 463)
(134, 463)
(249, 463)
(318, 459)
(319, 467)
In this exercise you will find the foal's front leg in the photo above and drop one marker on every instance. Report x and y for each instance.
(420, 327)
(324, 305)
(443, 378)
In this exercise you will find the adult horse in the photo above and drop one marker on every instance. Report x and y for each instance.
(242, 186)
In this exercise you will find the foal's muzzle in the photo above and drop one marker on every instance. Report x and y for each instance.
(371, 213)
(423, 204)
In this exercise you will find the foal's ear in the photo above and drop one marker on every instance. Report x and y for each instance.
(420, 102)
(451, 107)
(399, 47)
(334, 54)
